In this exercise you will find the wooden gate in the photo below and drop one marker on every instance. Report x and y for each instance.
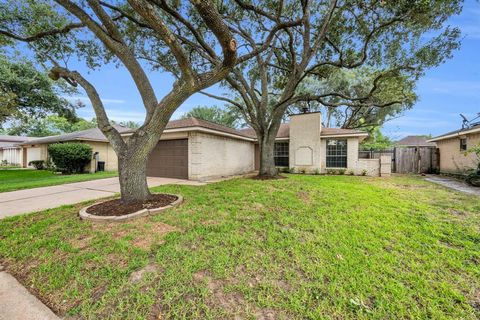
(416, 159)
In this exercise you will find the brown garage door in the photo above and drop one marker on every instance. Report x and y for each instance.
(169, 159)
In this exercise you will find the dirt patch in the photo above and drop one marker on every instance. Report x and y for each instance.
(138, 275)
(304, 196)
(231, 301)
(118, 208)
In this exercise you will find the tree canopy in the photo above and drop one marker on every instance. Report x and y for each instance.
(226, 117)
(27, 93)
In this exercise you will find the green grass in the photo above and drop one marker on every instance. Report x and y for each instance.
(306, 247)
(11, 180)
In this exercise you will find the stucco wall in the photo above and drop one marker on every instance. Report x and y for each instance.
(211, 156)
(106, 154)
(305, 142)
(452, 159)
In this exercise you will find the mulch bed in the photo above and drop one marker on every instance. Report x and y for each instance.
(267, 177)
(118, 208)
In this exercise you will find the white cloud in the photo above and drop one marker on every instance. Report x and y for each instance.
(451, 87)
(114, 114)
(86, 100)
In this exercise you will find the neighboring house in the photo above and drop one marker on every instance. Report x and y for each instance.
(10, 151)
(415, 141)
(453, 147)
(37, 149)
(200, 150)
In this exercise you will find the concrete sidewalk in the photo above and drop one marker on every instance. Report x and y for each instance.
(454, 184)
(16, 303)
(37, 199)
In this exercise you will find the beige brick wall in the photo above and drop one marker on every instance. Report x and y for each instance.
(452, 159)
(213, 156)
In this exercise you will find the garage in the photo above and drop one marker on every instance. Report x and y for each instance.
(169, 159)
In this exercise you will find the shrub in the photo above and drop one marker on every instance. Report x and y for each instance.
(70, 157)
(341, 172)
(317, 172)
(473, 178)
(364, 172)
(351, 172)
(37, 164)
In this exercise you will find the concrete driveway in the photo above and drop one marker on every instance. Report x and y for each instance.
(37, 199)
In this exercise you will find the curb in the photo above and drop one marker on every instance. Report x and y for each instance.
(141, 213)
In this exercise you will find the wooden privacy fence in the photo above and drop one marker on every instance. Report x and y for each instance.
(416, 160)
(408, 159)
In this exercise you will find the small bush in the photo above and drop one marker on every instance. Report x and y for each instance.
(473, 179)
(70, 157)
(317, 172)
(364, 172)
(351, 172)
(37, 164)
(341, 171)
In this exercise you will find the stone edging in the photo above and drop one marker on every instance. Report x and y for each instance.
(141, 213)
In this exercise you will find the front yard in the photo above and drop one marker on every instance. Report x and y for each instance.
(16, 179)
(306, 247)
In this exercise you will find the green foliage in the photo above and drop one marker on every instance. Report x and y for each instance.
(26, 93)
(48, 126)
(376, 141)
(394, 86)
(215, 114)
(364, 172)
(70, 157)
(37, 164)
(473, 178)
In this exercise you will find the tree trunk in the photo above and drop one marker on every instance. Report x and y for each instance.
(132, 173)
(267, 160)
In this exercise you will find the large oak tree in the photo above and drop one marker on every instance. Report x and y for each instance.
(124, 32)
(396, 40)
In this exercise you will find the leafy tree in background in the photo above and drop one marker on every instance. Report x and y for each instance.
(26, 93)
(226, 117)
(48, 126)
(125, 32)
(357, 82)
(376, 141)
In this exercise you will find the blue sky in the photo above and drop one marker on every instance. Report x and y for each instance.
(444, 92)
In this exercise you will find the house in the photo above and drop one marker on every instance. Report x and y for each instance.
(453, 147)
(10, 151)
(200, 150)
(36, 149)
(415, 141)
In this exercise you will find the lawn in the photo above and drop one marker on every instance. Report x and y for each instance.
(306, 247)
(11, 180)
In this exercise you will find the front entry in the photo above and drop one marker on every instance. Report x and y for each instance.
(169, 159)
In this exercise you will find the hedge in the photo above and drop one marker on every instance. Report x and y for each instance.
(70, 157)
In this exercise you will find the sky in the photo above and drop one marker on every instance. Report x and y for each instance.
(444, 92)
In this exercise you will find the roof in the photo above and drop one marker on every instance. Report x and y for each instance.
(4, 138)
(284, 131)
(91, 134)
(12, 141)
(457, 133)
(414, 141)
(195, 122)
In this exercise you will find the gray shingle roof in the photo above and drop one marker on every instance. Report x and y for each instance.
(91, 134)
(459, 131)
(284, 131)
(413, 141)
